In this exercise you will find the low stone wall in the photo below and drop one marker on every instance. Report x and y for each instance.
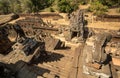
(108, 18)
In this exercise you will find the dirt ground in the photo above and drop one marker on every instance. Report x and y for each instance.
(105, 25)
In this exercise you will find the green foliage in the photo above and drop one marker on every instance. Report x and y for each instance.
(118, 10)
(98, 8)
(26, 6)
(15, 6)
(66, 6)
(23, 6)
(83, 2)
(109, 2)
(51, 9)
(4, 7)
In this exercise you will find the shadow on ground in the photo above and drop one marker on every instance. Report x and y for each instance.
(64, 48)
(21, 69)
(51, 57)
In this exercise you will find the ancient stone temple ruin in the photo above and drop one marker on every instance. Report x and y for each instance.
(32, 48)
(76, 28)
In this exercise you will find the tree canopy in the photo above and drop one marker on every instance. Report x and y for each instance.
(30, 6)
(67, 6)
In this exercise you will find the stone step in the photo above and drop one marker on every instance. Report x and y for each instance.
(56, 71)
(57, 67)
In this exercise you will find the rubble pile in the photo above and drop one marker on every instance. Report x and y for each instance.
(96, 60)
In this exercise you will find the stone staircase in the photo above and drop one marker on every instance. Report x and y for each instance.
(58, 68)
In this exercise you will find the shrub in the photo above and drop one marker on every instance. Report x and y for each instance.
(118, 10)
(66, 6)
(51, 9)
(98, 8)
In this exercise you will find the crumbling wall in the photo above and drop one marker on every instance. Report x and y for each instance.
(5, 42)
(96, 61)
(108, 18)
(76, 28)
(114, 33)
